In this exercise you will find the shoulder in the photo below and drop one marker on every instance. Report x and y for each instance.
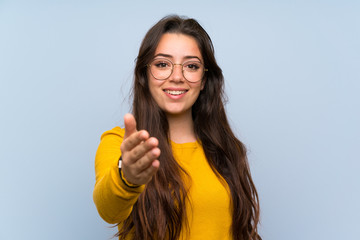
(116, 132)
(112, 138)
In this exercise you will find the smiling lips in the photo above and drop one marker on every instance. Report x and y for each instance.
(175, 92)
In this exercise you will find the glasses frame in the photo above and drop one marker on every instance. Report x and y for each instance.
(172, 69)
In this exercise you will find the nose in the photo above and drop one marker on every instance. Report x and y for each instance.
(177, 74)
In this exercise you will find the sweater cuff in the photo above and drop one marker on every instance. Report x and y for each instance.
(123, 179)
(118, 180)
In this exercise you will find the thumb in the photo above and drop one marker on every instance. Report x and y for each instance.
(130, 125)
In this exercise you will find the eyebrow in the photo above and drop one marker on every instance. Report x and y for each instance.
(169, 56)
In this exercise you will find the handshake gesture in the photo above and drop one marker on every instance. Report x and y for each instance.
(139, 153)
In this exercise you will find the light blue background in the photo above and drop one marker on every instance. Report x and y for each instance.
(292, 79)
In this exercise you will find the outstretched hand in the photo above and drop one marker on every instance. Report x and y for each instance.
(139, 153)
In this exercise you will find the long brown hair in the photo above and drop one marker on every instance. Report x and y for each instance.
(159, 212)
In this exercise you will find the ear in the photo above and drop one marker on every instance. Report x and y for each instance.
(203, 84)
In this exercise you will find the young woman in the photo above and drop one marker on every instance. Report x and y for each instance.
(176, 170)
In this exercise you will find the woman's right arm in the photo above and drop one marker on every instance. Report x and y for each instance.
(114, 198)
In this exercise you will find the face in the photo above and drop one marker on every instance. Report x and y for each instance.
(176, 95)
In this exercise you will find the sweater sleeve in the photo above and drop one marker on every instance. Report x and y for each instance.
(113, 199)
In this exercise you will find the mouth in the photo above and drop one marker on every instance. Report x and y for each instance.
(175, 92)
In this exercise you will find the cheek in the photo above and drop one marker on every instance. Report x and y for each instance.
(155, 88)
(197, 86)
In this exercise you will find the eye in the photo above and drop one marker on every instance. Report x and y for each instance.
(161, 63)
(192, 66)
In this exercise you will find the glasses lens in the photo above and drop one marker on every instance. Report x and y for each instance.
(193, 71)
(161, 68)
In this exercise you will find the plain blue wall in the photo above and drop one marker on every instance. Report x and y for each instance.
(292, 78)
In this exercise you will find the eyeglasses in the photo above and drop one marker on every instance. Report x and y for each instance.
(162, 68)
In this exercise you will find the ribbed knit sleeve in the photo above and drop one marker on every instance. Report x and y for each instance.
(113, 199)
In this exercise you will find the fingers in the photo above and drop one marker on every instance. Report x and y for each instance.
(141, 156)
(139, 152)
(141, 171)
(149, 172)
(134, 140)
(132, 137)
(146, 161)
(143, 148)
(130, 125)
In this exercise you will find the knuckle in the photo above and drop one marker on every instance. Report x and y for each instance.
(139, 164)
(152, 154)
(135, 152)
(122, 147)
(129, 141)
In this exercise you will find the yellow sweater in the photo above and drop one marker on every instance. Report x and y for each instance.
(209, 209)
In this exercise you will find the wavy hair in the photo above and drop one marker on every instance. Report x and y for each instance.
(159, 212)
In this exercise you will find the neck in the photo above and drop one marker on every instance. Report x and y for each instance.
(181, 128)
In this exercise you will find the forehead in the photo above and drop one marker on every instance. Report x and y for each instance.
(178, 46)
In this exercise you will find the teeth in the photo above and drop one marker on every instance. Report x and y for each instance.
(174, 92)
